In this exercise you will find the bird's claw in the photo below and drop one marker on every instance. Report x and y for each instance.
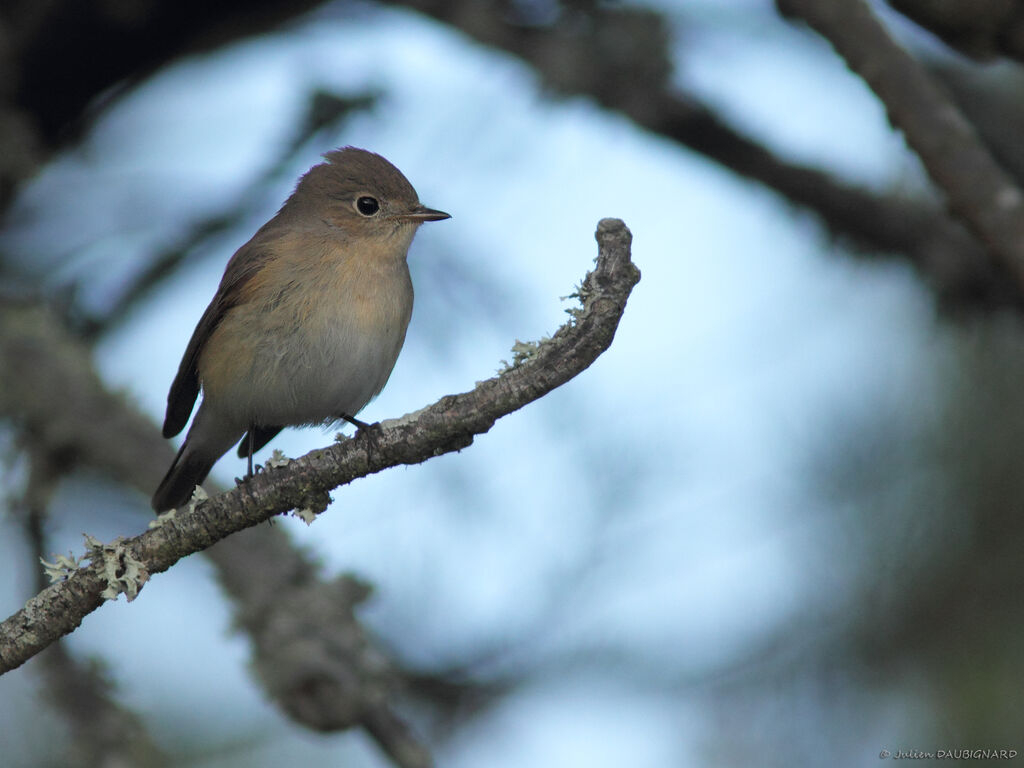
(249, 475)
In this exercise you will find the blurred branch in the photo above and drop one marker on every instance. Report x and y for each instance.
(619, 56)
(952, 261)
(978, 190)
(112, 45)
(45, 103)
(993, 100)
(981, 29)
(457, 693)
(315, 659)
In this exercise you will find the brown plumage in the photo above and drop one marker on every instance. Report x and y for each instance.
(308, 320)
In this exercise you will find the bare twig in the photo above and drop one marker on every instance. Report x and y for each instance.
(448, 425)
(978, 190)
(51, 395)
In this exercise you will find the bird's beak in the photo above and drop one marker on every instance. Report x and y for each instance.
(422, 213)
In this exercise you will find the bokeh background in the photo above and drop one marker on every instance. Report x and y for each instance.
(779, 521)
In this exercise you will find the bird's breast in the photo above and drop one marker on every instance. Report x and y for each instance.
(315, 341)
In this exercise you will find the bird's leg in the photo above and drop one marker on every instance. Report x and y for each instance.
(249, 441)
(252, 429)
(362, 425)
(370, 430)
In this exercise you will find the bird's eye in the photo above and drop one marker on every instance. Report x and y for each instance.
(367, 205)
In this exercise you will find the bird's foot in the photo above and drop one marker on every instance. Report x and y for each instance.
(250, 474)
(370, 432)
(357, 423)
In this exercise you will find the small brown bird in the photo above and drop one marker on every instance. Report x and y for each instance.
(307, 322)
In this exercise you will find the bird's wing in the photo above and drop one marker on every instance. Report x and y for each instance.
(246, 262)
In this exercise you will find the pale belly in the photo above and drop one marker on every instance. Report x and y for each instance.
(318, 378)
(305, 364)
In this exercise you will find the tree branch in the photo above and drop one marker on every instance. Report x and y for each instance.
(977, 189)
(59, 408)
(619, 56)
(981, 29)
(448, 425)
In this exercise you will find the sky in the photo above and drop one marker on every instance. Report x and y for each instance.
(654, 504)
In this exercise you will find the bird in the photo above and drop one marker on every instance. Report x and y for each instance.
(307, 322)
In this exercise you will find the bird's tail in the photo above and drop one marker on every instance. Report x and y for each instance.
(188, 470)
